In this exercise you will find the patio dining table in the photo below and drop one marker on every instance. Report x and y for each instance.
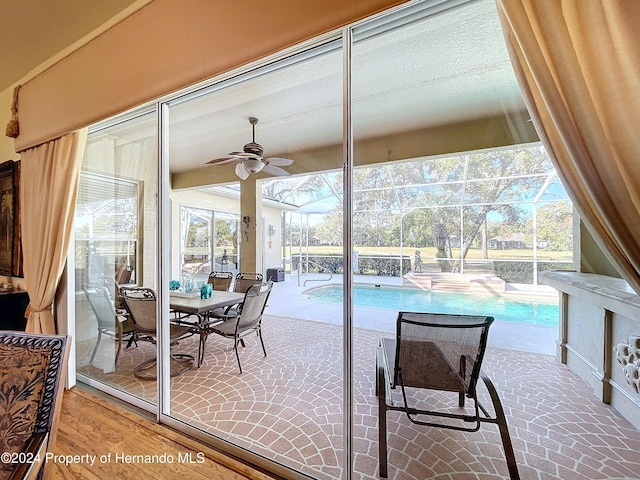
(190, 305)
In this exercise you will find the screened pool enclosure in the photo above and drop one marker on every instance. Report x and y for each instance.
(500, 212)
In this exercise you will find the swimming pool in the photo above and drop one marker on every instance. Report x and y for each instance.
(527, 311)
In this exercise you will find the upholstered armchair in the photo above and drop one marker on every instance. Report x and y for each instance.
(32, 373)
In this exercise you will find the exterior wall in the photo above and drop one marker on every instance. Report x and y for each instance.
(272, 256)
(598, 313)
(273, 244)
(134, 161)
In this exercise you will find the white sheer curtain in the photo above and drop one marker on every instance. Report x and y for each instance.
(578, 65)
(48, 189)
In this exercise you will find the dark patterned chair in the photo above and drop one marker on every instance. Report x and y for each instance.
(32, 373)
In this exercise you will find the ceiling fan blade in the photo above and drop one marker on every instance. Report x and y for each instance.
(244, 155)
(242, 171)
(276, 171)
(222, 161)
(280, 162)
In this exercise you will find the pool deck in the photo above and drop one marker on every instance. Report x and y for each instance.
(287, 300)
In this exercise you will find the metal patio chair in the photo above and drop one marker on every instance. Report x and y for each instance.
(114, 324)
(245, 280)
(220, 280)
(141, 304)
(242, 283)
(237, 325)
(437, 352)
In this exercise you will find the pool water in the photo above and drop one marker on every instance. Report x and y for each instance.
(529, 311)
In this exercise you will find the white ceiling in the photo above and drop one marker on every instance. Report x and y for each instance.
(31, 31)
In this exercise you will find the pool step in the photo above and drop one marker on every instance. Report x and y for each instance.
(452, 282)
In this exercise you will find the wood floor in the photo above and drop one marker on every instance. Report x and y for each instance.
(98, 439)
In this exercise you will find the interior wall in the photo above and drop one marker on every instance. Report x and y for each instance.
(7, 150)
(220, 203)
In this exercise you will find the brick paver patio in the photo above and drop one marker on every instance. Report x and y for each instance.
(288, 407)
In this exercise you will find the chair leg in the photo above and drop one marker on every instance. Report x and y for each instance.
(131, 341)
(382, 415)
(463, 372)
(235, 347)
(201, 342)
(95, 349)
(262, 341)
(504, 430)
(119, 342)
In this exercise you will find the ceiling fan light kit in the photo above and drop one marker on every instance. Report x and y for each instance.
(250, 160)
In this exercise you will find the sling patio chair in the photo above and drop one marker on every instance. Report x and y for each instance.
(220, 280)
(431, 354)
(237, 325)
(242, 283)
(112, 323)
(245, 280)
(141, 304)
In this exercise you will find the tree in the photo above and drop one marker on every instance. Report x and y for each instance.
(555, 226)
(330, 230)
(440, 199)
(474, 185)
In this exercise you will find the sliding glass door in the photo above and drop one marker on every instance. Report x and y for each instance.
(284, 407)
(383, 154)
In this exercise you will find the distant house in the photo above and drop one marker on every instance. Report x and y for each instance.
(314, 241)
(454, 241)
(511, 240)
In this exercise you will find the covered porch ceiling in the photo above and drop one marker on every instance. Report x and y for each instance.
(450, 72)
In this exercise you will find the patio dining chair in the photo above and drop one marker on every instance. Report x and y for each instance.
(245, 280)
(432, 357)
(237, 325)
(116, 325)
(242, 283)
(221, 280)
(141, 304)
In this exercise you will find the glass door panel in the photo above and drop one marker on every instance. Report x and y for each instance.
(196, 235)
(114, 246)
(443, 149)
(284, 407)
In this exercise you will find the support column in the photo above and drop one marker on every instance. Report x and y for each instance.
(561, 346)
(251, 244)
(607, 356)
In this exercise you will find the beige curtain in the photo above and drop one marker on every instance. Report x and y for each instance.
(578, 64)
(48, 188)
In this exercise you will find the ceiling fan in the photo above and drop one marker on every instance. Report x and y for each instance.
(250, 159)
